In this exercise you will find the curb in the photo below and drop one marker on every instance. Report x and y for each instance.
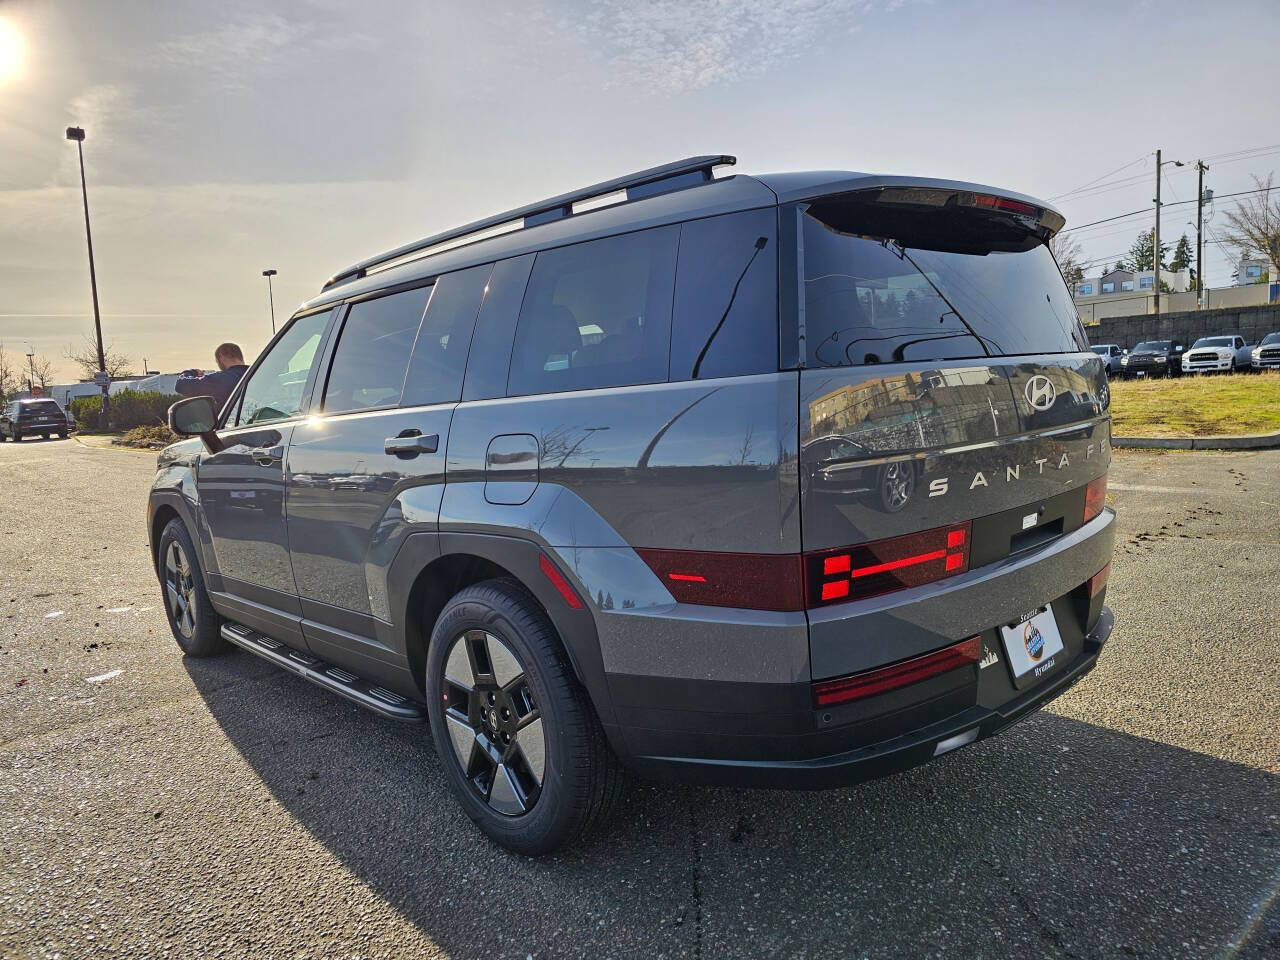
(1250, 441)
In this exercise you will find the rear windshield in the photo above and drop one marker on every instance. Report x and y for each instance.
(41, 408)
(1152, 346)
(880, 288)
(1213, 342)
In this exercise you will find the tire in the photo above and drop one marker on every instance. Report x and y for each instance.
(194, 622)
(62, 436)
(17, 436)
(496, 669)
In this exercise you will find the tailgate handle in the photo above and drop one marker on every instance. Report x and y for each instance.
(410, 443)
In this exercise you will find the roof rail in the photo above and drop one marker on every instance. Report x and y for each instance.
(645, 183)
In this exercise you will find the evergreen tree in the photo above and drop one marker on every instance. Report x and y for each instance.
(1140, 254)
(1184, 257)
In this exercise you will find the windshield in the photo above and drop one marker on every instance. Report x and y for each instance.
(1270, 338)
(1152, 346)
(876, 299)
(1213, 342)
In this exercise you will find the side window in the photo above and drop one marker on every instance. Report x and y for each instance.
(597, 314)
(373, 349)
(275, 389)
(440, 353)
(725, 321)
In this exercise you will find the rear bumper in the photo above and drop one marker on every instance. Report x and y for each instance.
(910, 747)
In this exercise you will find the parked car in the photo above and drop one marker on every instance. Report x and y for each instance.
(562, 491)
(1153, 358)
(35, 416)
(1266, 355)
(1222, 354)
(1111, 353)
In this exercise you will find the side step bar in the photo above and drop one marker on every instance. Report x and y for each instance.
(336, 679)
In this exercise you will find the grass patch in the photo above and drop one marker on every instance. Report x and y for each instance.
(1199, 406)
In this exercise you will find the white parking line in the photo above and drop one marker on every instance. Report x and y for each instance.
(1143, 488)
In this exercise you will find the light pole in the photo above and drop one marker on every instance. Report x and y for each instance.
(31, 370)
(271, 299)
(1155, 239)
(77, 134)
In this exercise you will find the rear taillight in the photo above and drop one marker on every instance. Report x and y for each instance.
(1098, 582)
(852, 573)
(754, 581)
(1095, 497)
(827, 693)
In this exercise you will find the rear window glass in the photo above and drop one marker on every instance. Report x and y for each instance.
(886, 299)
(41, 408)
(726, 308)
(596, 314)
(372, 356)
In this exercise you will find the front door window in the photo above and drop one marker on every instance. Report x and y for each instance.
(275, 389)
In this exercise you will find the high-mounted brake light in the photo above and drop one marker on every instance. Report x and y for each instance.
(827, 693)
(991, 202)
(882, 566)
(1095, 497)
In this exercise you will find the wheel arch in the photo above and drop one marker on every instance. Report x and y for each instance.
(432, 568)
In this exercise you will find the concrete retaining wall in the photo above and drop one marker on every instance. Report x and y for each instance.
(1252, 323)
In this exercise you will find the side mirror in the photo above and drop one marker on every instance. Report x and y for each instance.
(196, 417)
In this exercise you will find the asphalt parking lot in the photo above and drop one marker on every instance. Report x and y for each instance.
(155, 806)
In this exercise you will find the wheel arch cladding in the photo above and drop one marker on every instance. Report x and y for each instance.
(427, 574)
(160, 517)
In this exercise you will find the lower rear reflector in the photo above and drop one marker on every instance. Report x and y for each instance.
(827, 693)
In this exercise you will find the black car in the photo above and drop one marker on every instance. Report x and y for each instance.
(37, 416)
(1153, 358)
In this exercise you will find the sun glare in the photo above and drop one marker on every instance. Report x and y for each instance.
(10, 52)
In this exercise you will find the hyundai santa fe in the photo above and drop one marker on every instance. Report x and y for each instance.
(789, 480)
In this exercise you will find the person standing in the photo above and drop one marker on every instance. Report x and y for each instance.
(219, 383)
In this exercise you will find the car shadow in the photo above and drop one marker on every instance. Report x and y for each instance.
(1057, 838)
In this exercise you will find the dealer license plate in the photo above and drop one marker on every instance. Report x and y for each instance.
(1033, 645)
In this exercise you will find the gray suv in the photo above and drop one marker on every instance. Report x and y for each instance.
(788, 480)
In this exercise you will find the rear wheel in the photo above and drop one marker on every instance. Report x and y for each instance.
(515, 732)
(192, 619)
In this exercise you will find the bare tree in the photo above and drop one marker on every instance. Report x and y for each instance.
(1255, 224)
(40, 370)
(8, 377)
(1066, 250)
(86, 358)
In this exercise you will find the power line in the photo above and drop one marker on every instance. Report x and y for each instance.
(1177, 203)
(1141, 159)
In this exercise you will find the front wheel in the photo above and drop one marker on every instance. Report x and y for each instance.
(192, 618)
(520, 744)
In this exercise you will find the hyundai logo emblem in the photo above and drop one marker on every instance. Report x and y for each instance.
(1040, 392)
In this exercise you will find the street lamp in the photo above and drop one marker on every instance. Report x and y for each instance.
(77, 134)
(31, 370)
(1155, 237)
(271, 299)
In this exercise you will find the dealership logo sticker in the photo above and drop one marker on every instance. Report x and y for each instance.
(1040, 392)
(1033, 640)
(989, 658)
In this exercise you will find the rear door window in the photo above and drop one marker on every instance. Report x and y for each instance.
(725, 322)
(879, 291)
(597, 314)
(440, 353)
(372, 354)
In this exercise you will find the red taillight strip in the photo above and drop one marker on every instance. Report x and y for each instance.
(559, 582)
(752, 581)
(897, 564)
(1095, 497)
(827, 693)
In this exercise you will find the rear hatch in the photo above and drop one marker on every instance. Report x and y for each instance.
(39, 413)
(948, 392)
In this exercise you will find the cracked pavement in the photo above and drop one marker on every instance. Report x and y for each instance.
(151, 805)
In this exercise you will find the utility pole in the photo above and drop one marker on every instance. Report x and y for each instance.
(31, 370)
(1201, 167)
(77, 134)
(1156, 237)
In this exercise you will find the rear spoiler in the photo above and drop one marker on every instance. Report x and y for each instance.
(1040, 219)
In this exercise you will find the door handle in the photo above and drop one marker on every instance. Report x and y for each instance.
(410, 443)
(267, 455)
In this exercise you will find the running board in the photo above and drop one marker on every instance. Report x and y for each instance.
(343, 682)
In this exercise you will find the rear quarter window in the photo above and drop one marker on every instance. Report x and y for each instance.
(596, 314)
(725, 321)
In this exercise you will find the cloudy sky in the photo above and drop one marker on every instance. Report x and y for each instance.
(225, 138)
